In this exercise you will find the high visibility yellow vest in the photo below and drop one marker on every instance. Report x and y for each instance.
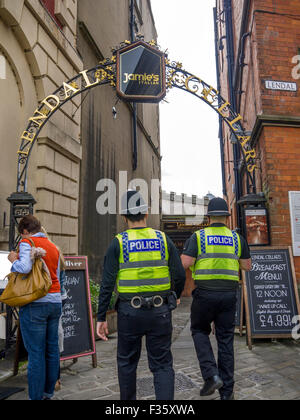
(143, 263)
(219, 251)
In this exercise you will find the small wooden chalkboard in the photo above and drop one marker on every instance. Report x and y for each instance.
(271, 295)
(77, 318)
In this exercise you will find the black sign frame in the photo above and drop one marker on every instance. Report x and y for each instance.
(81, 264)
(142, 98)
(249, 321)
(266, 220)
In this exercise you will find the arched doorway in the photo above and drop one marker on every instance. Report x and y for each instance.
(162, 76)
(105, 73)
(117, 73)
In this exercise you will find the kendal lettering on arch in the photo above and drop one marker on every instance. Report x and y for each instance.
(69, 90)
(28, 137)
(49, 104)
(87, 80)
(39, 117)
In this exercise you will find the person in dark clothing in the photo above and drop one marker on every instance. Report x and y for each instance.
(146, 267)
(216, 255)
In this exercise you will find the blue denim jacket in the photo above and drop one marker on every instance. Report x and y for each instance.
(62, 279)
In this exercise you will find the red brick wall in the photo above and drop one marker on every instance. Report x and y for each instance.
(237, 12)
(274, 41)
(278, 40)
(280, 151)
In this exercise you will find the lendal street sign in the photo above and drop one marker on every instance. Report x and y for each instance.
(141, 74)
(281, 85)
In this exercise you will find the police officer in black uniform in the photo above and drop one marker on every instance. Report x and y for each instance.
(147, 269)
(216, 254)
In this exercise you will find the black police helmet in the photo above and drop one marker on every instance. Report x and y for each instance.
(133, 204)
(218, 207)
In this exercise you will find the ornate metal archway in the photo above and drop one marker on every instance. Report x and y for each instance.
(105, 73)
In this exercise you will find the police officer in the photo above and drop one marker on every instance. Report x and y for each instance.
(150, 278)
(216, 254)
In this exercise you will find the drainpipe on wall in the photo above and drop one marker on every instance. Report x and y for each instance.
(241, 67)
(241, 53)
(230, 65)
(134, 113)
(238, 79)
(219, 89)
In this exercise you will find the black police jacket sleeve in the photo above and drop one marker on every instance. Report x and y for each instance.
(177, 271)
(109, 278)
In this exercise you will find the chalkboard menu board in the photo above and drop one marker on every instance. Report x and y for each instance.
(271, 296)
(77, 313)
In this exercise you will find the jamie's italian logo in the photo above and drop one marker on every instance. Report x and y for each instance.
(142, 79)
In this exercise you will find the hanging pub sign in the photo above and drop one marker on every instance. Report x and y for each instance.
(141, 74)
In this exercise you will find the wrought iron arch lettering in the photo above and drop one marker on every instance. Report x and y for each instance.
(102, 74)
(105, 73)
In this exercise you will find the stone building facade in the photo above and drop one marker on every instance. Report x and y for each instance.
(107, 141)
(38, 54)
(257, 44)
(44, 43)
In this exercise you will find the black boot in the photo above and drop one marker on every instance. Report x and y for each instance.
(211, 385)
(227, 397)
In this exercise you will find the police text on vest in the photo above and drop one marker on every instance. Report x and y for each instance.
(220, 240)
(144, 245)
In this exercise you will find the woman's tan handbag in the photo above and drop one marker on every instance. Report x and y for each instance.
(23, 289)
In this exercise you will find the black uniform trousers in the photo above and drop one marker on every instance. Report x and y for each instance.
(218, 307)
(156, 325)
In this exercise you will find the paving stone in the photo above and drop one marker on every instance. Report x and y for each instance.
(87, 385)
(88, 395)
(245, 384)
(269, 372)
(285, 365)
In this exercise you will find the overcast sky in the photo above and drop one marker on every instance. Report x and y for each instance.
(189, 127)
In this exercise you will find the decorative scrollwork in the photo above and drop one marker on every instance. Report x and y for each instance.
(104, 73)
(177, 77)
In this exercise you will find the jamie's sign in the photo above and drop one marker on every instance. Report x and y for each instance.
(141, 75)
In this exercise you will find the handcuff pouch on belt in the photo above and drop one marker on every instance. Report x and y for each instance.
(172, 301)
(138, 302)
(157, 301)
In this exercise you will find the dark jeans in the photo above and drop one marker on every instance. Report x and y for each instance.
(39, 328)
(218, 307)
(156, 325)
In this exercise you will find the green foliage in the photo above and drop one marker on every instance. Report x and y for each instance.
(95, 292)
